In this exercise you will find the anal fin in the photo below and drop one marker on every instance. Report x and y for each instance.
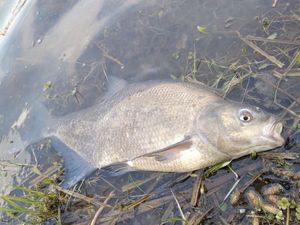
(117, 169)
(76, 168)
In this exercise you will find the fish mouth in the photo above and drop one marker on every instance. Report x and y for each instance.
(273, 135)
(270, 139)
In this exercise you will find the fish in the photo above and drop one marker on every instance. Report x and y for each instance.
(163, 126)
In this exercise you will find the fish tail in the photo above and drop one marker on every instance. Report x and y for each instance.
(39, 123)
(27, 129)
(30, 127)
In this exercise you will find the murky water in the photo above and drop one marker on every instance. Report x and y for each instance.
(60, 53)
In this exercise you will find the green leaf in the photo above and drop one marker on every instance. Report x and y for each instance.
(272, 36)
(298, 58)
(263, 66)
(10, 210)
(172, 219)
(36, 170)
(36, 193)
(298, 212)
(298, 216)
(279, 216)
(14, 205)
(213, 169)
(253, 154)
(48, 181)
(283, 203)
(223, 207)
(47, 85)
(173, 77)
(22, 199)
(201, 29)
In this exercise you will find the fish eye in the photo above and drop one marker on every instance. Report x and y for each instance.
(245, 116)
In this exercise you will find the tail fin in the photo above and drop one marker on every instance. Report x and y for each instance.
(28, 128)
(31, 125)
(36, 123)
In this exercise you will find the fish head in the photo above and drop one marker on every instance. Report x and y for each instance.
(239, 129)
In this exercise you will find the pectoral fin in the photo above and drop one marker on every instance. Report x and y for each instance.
(171, 152)
(167, 154)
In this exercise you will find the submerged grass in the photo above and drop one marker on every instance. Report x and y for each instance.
(33, 206)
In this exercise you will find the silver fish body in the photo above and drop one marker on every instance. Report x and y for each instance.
(168, 126)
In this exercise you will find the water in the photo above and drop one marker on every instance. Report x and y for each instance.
(60, 53)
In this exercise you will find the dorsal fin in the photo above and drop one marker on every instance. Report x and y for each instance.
(114, 85)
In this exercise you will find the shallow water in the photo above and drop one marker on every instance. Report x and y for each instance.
(60, 53)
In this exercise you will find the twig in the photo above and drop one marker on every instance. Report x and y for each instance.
(243, 189)
(287, 222)
(108, 56)
(213, 187)
(233, 82)
(246, 90)
(253, 38)
(281, 155)
(291, 73)
(82, 197)
(284, 92)
(54, 169)
(137, 183)
(224, 221)
(199, 219)
(180, 179)
(231, 189)
(101, 208)
(178, 205)
(296, 15)
(234, 173)
(113, 59)
(283, 76)
(251, 181)
(196, 190)
(237, 181)
(143, 208)
(260, 51)
(110, 184)
(77, 195)
(59, 216)
(274, 3)
(138, 202)
(289, 109)
(294, 61)
(104, 71)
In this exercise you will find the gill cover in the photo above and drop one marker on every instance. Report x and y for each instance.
(238, 129)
